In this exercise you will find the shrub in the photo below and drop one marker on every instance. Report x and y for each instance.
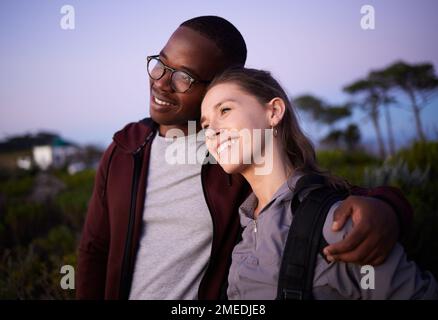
(348, 165)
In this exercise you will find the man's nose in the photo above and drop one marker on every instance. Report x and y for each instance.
(164, 82)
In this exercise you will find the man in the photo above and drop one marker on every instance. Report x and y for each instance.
(155, 230)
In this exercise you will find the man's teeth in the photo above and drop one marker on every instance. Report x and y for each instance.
(161, 102)
(225, 145)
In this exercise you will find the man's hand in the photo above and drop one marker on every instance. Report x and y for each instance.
(374, 234)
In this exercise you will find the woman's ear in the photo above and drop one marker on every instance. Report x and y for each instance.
(276, 109)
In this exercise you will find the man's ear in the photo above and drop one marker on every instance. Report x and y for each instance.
(276, 108)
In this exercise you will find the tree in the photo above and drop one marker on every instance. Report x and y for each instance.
(311, 105)
(348, 138)
(352, 136)
(383, 86)
(320, 111)
(417, 81)
(388, 119)
(370, 100)
(333, 138)
(332, 114)
(326, 114)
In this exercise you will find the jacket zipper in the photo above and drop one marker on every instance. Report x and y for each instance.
(126, 277)
(255, 234)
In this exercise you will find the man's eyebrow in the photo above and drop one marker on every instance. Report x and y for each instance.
(184, 68)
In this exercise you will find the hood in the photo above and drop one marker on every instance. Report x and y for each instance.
(134, 135)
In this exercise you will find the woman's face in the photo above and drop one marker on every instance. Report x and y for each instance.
(234, 123)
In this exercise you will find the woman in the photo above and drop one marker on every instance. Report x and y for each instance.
(251, 129)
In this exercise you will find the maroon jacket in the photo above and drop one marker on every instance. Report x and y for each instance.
(113, 225)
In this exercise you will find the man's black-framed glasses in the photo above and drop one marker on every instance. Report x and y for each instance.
(180, 81)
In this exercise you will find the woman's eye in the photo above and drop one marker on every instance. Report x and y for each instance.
(224, 110)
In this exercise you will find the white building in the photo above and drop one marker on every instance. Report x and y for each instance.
(54, 155)
(24, 162)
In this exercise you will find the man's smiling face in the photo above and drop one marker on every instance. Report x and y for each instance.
(189, 51)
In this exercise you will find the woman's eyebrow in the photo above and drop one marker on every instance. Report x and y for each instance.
(224, 101)
(216, 106)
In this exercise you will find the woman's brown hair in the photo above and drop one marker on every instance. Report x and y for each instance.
(299, 149)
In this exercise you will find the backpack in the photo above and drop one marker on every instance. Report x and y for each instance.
(305, 239)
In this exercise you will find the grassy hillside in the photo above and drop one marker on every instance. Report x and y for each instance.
(39, 231)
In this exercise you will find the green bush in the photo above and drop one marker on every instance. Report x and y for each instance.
(37, 239)
(57, 242)
(17, 186)
(415, 171)
(26, 220)
(348, 165)
(396, 172)
(25, 274)
(421, 155)
(422, 244)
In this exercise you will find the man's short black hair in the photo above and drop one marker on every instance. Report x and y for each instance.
(224, 34)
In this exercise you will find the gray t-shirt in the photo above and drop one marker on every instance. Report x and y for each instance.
(175, 244)
(257, 258)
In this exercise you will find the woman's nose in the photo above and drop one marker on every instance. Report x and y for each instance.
(212, 133)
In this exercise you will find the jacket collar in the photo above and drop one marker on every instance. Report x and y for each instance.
(135, 135)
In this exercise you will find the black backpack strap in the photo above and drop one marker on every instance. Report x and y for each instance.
(305, 239)
(306, 183)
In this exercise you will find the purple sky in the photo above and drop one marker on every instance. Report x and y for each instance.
(89, 82)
